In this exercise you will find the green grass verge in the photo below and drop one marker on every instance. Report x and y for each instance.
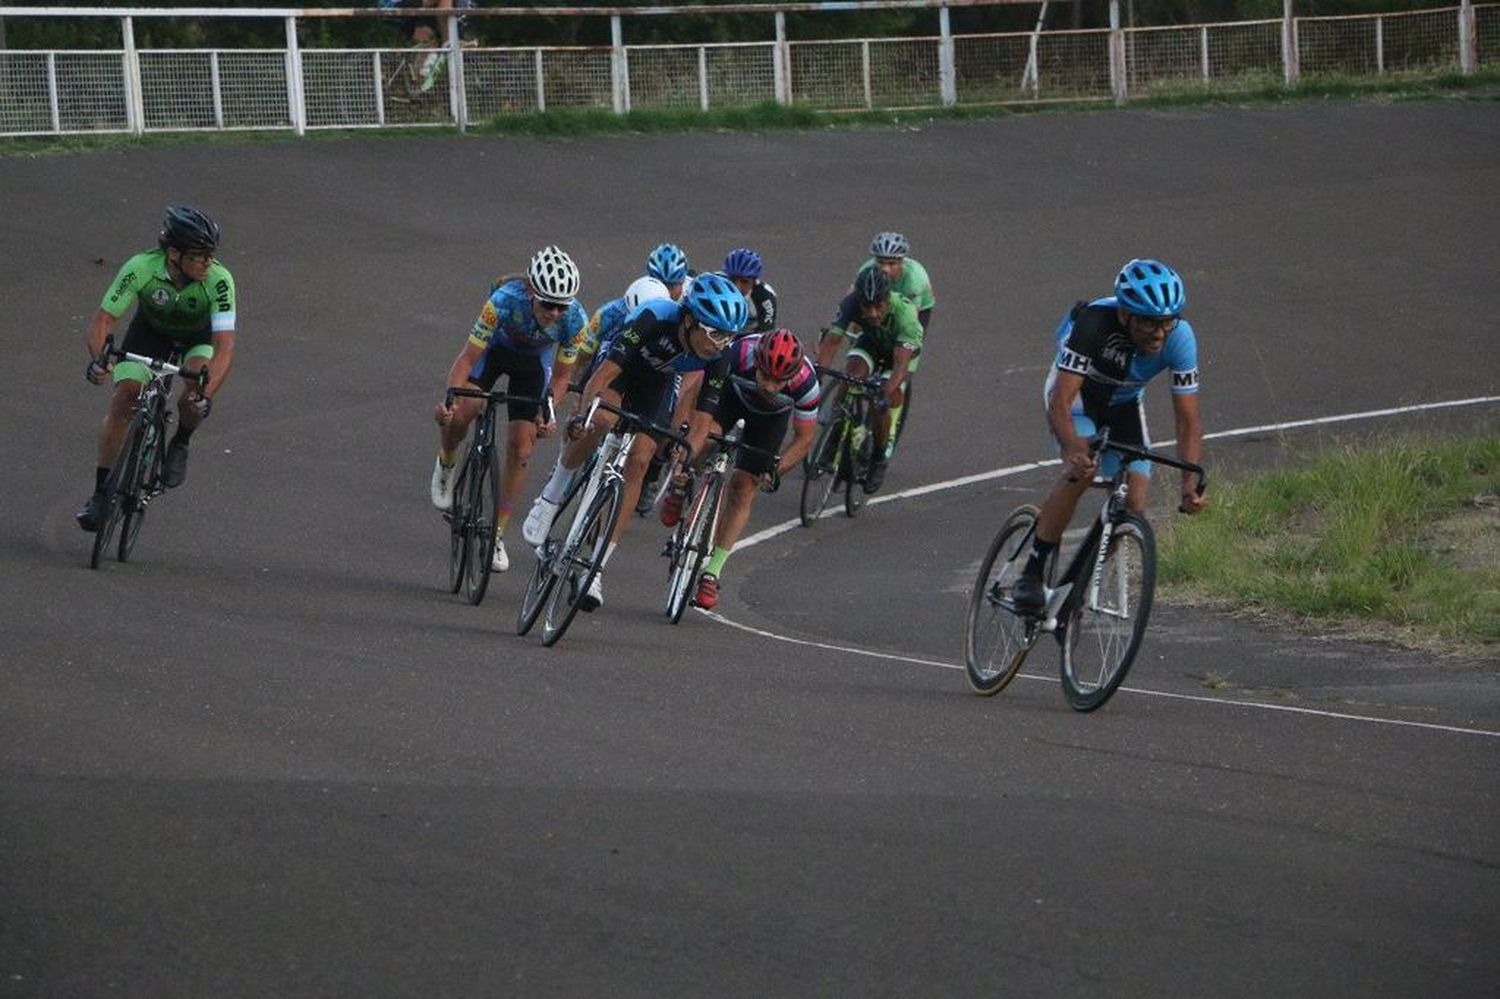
(769, 116)
(1405, 533)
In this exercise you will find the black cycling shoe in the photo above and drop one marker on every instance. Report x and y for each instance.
(174, 466)
(88, 518)
(1029, 595)
(875, 477)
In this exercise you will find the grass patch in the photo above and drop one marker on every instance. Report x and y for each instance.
(1405, 533)
(770, 116)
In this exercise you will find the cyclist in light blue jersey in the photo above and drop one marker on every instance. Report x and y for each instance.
(516, 334)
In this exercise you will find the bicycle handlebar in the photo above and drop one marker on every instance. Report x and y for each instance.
(496, 398)
(1101, 442)
(874, 383)
(155, 364)
(633, 421)
(731, 442)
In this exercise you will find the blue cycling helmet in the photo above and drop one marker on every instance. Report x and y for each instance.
(743, 262)
(715, 302)
(667, 263)
(1150, 288)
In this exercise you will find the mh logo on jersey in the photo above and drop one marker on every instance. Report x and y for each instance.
(1185, 379)
(1073, 361)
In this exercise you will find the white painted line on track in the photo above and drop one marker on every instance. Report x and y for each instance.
(999, 473)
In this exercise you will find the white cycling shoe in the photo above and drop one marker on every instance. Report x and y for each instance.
(500, 561)
(539, 522)
(442, 484)
(594, 598)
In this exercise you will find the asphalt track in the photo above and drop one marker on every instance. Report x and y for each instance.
(271, 756)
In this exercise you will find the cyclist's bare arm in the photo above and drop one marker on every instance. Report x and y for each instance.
(902, 360)
(1189, 448)
(562, 375)
(803, 432)
(458, 377)
(98, 331)
(218, 365)
(1075, 449)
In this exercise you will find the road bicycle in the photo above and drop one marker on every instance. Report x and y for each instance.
(476, 497)
(135, 479)
(692, 540)
(844, 450)
(1097, 610)
(566, 564)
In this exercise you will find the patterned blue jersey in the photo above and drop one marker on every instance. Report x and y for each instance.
(507, 321)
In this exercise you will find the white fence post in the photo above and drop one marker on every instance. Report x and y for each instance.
(864, 63)
(782, 64)
(702, 78)
(541, 83)
(135, 102)
(1380, 46)
(1290, 65)
(1117, 79)
(379, 88)
(619, 68)
(947, 68)
(1468, 39)
(296, 108)
(1203, 48)
(52, 101)
(218, 88)
(458, 92)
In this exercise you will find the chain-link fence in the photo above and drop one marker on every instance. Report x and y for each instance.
(55, 91)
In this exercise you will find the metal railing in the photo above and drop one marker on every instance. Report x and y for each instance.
(130, 89)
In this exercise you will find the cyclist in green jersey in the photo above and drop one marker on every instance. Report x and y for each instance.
(185, 306)
(891, 253)
(889, 341)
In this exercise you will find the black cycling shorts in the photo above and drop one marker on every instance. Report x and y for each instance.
(762, 430)
(528, 379)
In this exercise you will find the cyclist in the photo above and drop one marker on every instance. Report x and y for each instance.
(889, 342)
(592, 342)
(891, 253)
(669, 265)
(661, 340)
(771, 382)
(1107, 350)
(516, 334)
(743, 266)
(185, 305)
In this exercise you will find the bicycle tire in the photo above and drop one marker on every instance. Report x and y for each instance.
(458, 548)
(857, 465)
(479, 528)
(996, 638)
(697, 540)
(579, 562)
(820, 471)
(148, 473)
(118, 478)
(1101, 636)
(543, 571)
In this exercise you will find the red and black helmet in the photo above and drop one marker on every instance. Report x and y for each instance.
(778, 355)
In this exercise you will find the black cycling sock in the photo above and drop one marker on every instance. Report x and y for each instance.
(1040, 551)
(183, 435)
(100, 474)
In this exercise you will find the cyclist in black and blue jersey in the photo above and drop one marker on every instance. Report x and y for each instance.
(661, 340)
(1107, 350)
(744, 267)
(588, 347)
(516, 334)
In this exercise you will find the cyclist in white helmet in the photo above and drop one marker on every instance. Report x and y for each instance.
(516, 334)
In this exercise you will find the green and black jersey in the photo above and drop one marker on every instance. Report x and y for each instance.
(206, 306)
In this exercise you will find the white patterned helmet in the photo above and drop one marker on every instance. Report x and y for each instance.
(645, 289)
(553, 275)
(889, 244)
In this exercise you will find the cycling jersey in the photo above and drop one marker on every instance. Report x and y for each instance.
(900, 327)
(201, 307)
(650, 353)
(801, 395)
(601, 328)
(762, 300)
(1092, 342)
(913, 283)
(507, 321)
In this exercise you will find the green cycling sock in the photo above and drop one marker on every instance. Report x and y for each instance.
(716, 561)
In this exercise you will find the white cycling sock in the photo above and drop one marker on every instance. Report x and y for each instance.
(557, 486)
(608, 551)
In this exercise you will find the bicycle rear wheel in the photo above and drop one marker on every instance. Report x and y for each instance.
(483, 511)
(144, 487)
(688, 559)
(820, 471)
(580, 561)
(996, 638)
(1104, 618)
(457, 517)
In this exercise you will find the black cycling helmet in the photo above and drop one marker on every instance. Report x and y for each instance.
(188, 229)
(871, 286)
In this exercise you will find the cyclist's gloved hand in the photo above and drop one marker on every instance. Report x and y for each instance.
(1079, 462)
(771, 481)
(1192, 501)
(96, 371)
(200, 404)
(443, 414)
(546, 419)
(576, 426)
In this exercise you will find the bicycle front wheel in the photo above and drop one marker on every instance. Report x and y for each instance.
(580, 561)
(143, 487)
(820, 471)
(1104, 619)
(457, 517)
(483, 512)
(117, 487)
(697, 539)
(996, 638)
